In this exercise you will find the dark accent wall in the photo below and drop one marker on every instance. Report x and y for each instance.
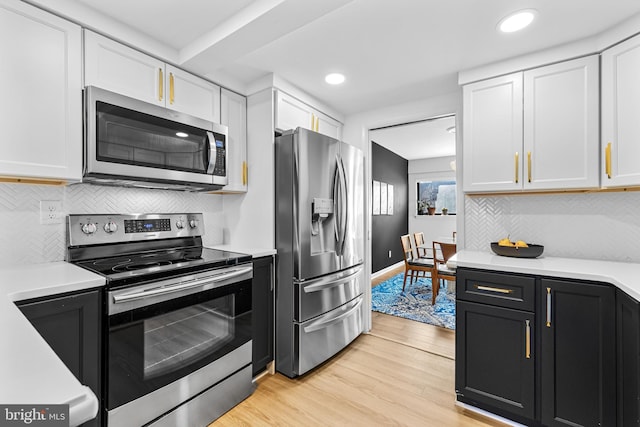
(386, 230)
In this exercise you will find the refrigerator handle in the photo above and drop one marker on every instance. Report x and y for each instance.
(337, 226)
(325, 323)
(344, 206)
(330, 282)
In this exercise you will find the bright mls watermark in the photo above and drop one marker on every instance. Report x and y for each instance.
(34, 415)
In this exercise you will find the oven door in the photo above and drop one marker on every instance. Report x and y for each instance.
(132, 139)
(165, 332)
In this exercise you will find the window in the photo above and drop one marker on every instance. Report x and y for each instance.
(436, 194)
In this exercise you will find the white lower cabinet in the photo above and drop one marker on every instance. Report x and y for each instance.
(620, 106)
(41, 103)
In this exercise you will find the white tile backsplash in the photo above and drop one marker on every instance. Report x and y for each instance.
(23, 240)
(603, 225)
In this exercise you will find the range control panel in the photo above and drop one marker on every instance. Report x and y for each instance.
(117, 228)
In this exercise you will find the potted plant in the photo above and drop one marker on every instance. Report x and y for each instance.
(445, 211)
(422, 206)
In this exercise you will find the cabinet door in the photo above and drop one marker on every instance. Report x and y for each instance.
(495, 360)
(620, 106)
(291, 113)
(328, 126)
(234, 115)
(191, 95)
(262, 313)
(118, 68)
(71, 326)
(578, 354)
(41, 103)
(628, 338)
(492, 134)
(561, 132)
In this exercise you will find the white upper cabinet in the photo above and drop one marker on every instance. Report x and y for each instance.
(561, 132)
(492, 134)
(119, 68)
(292, 113)
(41, 103)
(234, 116)
(620, 115)
(533, 130)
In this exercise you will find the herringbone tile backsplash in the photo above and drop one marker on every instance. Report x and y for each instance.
(603, 226)
(23, 240)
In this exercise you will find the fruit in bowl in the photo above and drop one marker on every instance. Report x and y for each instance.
(517, 249)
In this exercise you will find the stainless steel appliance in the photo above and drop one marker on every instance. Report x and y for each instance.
(177, 334)
(134, 143)
(320, 242)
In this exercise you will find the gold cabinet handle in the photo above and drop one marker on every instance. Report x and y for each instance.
(607, 153)
(313, 121)
(548, 307)
(517, 166)
(492, 289)
(527, 343)
(172, 96)
(160, 84)
(529, 165)
(244, 173)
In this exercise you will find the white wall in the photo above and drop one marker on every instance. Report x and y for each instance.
(250, 217)
(356, 132)
(436, 226)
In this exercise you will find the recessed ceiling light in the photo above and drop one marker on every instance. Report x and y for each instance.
(182, 134)
(334, 78)
(517, 20)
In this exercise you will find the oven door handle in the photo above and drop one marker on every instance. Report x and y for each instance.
(162, 290)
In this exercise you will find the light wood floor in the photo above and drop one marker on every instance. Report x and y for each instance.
(401, 374)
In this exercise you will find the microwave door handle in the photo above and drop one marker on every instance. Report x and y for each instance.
(211, 149)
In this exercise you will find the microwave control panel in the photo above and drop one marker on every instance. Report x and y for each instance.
(220, 165)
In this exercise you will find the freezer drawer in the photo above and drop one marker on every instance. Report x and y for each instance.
(317, 296)
(320, 338)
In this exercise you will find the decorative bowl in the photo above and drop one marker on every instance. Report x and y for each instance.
(533, 251)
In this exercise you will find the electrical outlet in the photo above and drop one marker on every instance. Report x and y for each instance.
(51, 212)
(389, 254)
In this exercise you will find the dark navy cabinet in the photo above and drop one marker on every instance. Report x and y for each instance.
(71, 325)
(262, 313)
(538, 350)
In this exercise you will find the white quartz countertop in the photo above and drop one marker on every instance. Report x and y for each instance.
(254, 252)
(625, 276)
(30, 372)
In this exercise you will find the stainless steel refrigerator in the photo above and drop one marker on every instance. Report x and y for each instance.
(320, 243)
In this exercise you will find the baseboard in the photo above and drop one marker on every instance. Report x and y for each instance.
(386, 270)
(488, 415)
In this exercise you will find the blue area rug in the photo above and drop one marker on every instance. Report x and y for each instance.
(415, 302)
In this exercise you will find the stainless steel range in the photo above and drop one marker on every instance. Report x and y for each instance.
(177, 331)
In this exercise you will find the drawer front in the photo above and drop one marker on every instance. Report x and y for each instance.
(502, 290)
(318, 296)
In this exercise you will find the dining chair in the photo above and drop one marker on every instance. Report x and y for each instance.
(442, 252)
(413, 266)
(421, 249)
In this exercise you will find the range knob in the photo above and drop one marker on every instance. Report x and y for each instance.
(193, 223)
(111, 227)
(89, 228)
(179, 224)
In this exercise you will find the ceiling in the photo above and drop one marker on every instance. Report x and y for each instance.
(419, 140)
(391, 52)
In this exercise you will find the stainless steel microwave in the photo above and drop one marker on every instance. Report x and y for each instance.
(133, 143)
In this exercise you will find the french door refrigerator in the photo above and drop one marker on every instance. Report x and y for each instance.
(320, 243)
